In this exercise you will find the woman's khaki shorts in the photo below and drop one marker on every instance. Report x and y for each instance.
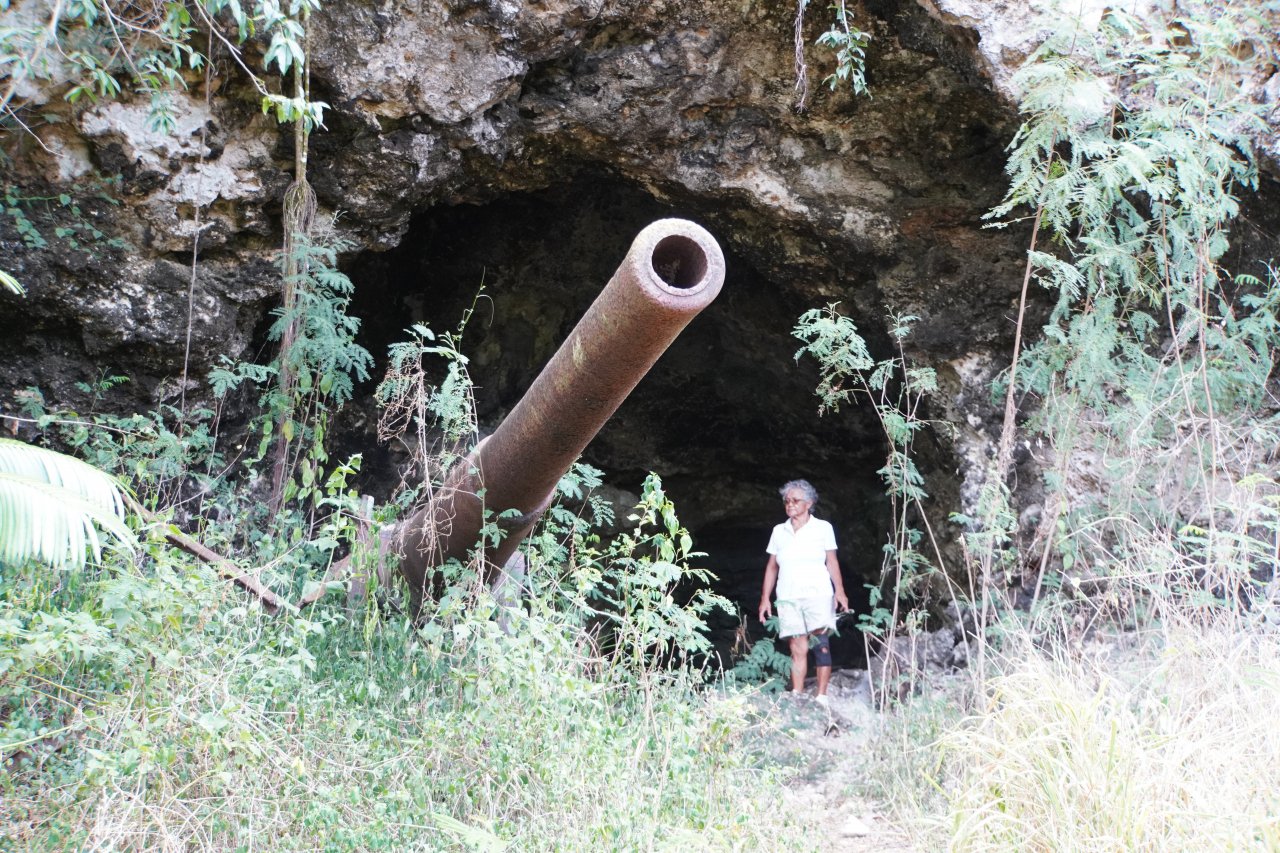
(806, 615)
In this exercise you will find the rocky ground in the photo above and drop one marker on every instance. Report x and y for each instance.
(828, 744)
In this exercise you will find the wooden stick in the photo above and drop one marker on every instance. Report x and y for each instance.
(224, 567)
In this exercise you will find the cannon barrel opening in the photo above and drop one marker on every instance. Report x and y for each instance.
(680, 262)
(672, 271)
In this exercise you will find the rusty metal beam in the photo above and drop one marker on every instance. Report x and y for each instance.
(673, 270)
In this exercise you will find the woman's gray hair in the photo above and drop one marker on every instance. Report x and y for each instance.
(809, 492)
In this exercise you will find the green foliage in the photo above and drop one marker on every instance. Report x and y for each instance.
(903, 766)
(155, 453)
(412, 403)
(639, 576)
(578, 484)
(147, 700)
(322, 359)
(1152, 122)
(27, 230)
(1205, 696)
(850, 45)
(896, 389)
(833, 339)
(51, 507)
(150, 48)
(763, 664)
(1155, 360)
(635, 589)
(563, 552)
(168, 456)
(324, 355)
(78, 231)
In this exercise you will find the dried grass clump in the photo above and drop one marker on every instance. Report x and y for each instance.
(1180, 755)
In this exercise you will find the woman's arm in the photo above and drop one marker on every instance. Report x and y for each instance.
(770, 577)
(833, 568)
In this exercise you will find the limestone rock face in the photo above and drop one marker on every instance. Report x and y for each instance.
(876, 201)
(461, 102)
(554, 128)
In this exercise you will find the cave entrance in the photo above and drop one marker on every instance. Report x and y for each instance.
(725, 417)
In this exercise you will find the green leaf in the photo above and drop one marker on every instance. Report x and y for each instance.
(213, 721)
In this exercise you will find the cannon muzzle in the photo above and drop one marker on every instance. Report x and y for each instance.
(672, 271)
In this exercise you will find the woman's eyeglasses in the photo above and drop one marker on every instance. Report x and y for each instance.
(794, 501)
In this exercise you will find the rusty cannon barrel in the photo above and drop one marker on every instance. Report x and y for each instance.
(672, 271)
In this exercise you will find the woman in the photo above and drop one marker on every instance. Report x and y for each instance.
(802, 561)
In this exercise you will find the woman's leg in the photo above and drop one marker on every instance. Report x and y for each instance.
(800, 661)
(822, 656)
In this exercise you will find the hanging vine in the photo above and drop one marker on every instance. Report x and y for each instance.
(299, 215)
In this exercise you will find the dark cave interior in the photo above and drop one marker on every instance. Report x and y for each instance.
(725, 417)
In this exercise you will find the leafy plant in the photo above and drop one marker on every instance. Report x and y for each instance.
(70, 223)
(849, 44)
(412, 404)
(151, 45)
(1133, 150)
(155, 453)
(763, 664)
(321, 359)
(638, 581)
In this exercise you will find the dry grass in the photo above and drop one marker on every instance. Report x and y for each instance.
(1177, 748)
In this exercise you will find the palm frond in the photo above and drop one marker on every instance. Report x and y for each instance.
(57, 469)
(52, 507)
(12, 284)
